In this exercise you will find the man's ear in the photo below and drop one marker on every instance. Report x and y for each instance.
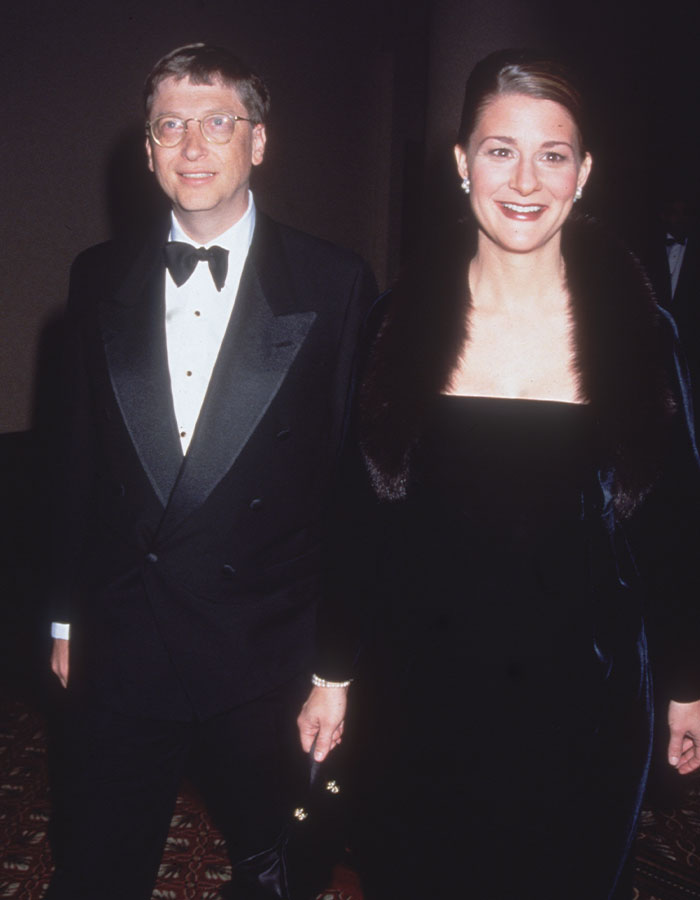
(149, 154)
(259, 141)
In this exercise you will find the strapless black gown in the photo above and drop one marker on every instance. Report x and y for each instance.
(510, 748)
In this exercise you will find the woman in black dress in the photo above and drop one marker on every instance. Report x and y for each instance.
(520, 421)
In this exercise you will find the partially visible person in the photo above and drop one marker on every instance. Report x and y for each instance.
(208, 365)
(674, 271)
(519, 411)
(670, 252)
(671, 256)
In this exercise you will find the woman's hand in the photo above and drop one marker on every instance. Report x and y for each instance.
(684, 745)
(323, 717)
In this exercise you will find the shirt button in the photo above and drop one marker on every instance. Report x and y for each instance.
(197, 313)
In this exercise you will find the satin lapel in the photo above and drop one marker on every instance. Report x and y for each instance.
(133, 330)
(257, 352)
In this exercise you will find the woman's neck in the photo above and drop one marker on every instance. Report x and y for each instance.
(522, 283)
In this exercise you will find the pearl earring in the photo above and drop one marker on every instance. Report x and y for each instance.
(466, 185)
(578, 194)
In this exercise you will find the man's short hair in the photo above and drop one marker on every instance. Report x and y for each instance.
(206, 64)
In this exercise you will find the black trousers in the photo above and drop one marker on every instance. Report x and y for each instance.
(119, 776)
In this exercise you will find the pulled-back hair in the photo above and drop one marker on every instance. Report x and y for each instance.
(520, 72)
(206, 64)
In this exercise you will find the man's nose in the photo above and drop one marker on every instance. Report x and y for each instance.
(193, 144)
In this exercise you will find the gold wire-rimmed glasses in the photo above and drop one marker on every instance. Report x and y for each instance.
(217, 128)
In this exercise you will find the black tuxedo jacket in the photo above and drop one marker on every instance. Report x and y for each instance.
(685, 303)
(685, 307)
(191, 583)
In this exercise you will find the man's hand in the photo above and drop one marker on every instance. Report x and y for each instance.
(684, 745)
(59, 660)
(323, 714)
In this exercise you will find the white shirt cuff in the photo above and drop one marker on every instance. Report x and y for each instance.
(60, 630)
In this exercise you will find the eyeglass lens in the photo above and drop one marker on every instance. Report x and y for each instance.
(169, 131)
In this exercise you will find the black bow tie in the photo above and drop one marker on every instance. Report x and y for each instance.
(181, 260)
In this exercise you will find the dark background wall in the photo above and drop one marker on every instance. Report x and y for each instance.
(366, 98)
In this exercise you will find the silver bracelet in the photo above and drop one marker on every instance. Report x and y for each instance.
(321, 682)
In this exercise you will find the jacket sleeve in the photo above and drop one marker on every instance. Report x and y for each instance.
(355, 524)
(73, 459)
(667, 538)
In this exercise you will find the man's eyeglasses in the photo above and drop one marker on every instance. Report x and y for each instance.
(168, 131)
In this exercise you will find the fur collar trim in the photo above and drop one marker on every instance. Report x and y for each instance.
(619, 357)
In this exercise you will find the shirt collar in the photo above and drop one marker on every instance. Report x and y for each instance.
(236, 239)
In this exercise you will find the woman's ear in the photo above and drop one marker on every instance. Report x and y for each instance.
(461, 157)
(584, 171)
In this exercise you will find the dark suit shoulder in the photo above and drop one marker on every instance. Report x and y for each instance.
(299, 271)
(88, 271)
(91, 270)
(308, 252)
(319, 248)
(109, 260)
(93, 259)
(104, 269)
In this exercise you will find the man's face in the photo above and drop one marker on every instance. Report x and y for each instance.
(207, 183)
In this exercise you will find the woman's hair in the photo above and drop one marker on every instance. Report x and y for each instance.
(520, 72)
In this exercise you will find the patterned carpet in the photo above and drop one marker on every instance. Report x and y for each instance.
(194, 867)
(667, 863)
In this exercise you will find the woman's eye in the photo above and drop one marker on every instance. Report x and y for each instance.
(551, 156)
(500, 152)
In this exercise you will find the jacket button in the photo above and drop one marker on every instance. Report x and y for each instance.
(256, 504)
(284, 434)
(151, 558)
(228, 571)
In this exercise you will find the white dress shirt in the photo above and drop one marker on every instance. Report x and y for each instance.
(196, 316)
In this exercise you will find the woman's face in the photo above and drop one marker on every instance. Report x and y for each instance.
(524, 164)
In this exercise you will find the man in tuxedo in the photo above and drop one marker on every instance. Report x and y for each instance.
(671, 257)
(207, 369)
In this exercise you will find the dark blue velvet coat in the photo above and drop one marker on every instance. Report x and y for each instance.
(639, 507)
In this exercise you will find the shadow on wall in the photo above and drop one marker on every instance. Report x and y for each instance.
(28, 459)
(134, 199)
